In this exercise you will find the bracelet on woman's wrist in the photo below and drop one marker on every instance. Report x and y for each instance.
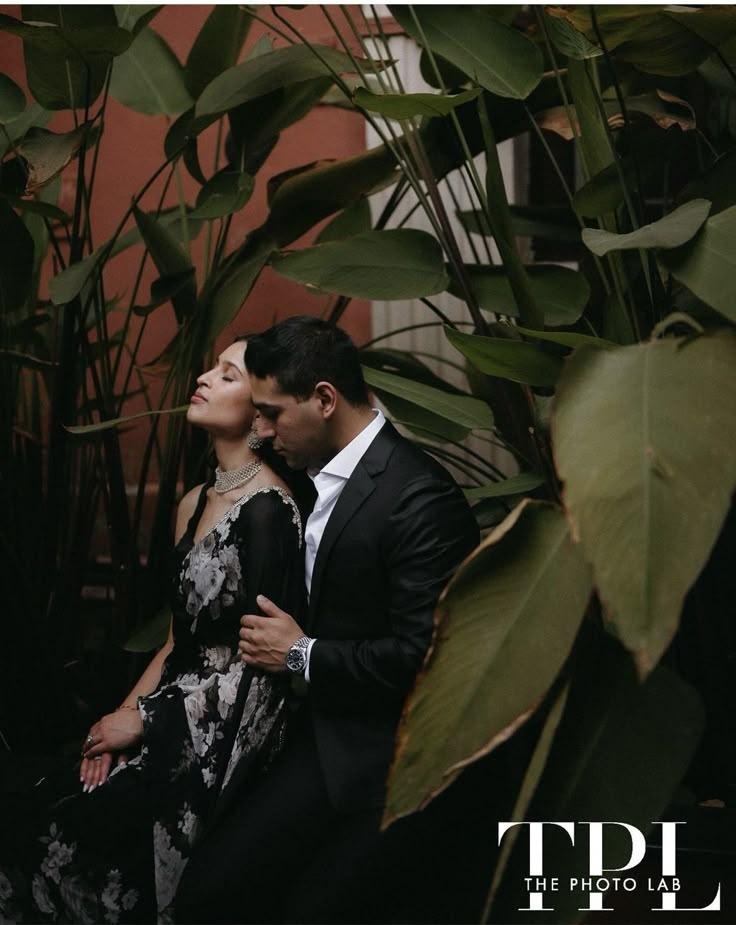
(127, 706)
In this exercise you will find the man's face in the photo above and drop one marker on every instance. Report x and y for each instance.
(296, 428)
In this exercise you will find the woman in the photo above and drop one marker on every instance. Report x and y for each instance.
(200, 721)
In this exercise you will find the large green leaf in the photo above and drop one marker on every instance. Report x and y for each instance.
(715, 26)
(136, 16)
(234, 287)
(516, 485)
(170, 260)
(507, 622)
(568, 40)
(673, 230)
(655, 39)
(227, 192)
(265, 73)
(555, 222)
(217, 47)
(149, 78)
(707, 266)
(47, 153)
(37, 207)
(498, 215)
(16, 260)
(602, 193)
(163, 289)
(421, 421)
(398, 264)
(529, 364)
(643, 438)
(464, 410)
(408, 105)
(300, 200)
(561, 293)
(594, 143)
(69, 283)
(407, 364)
(619, 754)
(565, 338)
(33, 116)
(492, 54)
(255, 126)
(355, 219)
(68, 50)
(12, 100)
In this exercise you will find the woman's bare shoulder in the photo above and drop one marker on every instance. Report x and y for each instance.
(189, 500)
(185, 510)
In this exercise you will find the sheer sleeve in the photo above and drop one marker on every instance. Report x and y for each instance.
(272, 539)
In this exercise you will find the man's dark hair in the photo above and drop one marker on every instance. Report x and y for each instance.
(302, 351)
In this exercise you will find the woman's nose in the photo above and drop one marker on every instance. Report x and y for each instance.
(204, 378)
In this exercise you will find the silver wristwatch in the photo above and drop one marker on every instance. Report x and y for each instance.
(296, 657)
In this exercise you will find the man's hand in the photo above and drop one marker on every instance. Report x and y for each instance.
(264, 641)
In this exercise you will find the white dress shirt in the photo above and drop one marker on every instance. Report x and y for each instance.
(329, 483)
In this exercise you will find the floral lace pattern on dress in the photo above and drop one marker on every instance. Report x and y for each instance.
(213, 722)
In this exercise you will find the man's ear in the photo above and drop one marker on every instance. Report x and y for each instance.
(326, 395)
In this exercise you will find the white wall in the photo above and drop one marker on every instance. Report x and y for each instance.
(387, 316)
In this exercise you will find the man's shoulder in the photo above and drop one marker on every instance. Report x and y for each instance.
(412, 460)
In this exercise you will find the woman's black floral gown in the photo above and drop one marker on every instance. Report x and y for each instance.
(117, 854)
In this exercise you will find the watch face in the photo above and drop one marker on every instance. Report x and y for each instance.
(296, 659)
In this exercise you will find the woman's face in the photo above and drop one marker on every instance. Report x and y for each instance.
(222, 402)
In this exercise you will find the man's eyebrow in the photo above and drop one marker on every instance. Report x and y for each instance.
(264, 406)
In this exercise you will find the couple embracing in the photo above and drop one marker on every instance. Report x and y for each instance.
(243, 777)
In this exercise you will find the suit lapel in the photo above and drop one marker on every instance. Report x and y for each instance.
(358, 488)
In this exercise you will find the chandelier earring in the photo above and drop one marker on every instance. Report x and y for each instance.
(253, 440)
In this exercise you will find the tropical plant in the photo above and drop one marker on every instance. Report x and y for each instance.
(76, 364)
(609, 382)
(620, 409)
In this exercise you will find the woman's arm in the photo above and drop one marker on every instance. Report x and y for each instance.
(117, 731)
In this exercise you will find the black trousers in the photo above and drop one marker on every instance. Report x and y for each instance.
(284, 855)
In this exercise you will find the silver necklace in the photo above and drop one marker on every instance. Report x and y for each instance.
(234, 478)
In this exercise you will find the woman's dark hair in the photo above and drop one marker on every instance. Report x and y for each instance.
(299, 352)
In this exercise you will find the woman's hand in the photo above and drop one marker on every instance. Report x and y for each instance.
(115, 732)
(95, 771)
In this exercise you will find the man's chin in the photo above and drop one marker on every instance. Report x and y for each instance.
(296, 464)
(291, 461)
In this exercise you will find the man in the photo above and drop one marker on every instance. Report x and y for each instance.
(388, 529)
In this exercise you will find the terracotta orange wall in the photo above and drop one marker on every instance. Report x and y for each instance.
(132, 148)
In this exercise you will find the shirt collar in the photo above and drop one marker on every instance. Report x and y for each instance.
(343, 464)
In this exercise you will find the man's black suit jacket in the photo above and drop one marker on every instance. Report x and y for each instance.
(400, 528)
